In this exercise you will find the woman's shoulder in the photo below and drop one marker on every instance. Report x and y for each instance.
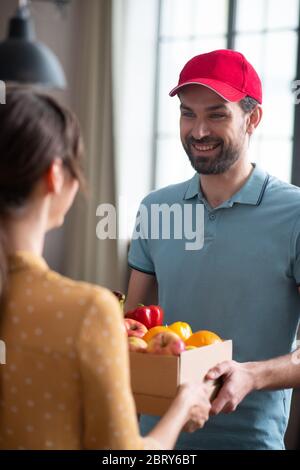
(82, 293)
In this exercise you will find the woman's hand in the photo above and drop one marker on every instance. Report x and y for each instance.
(196, 400)
(188, 411)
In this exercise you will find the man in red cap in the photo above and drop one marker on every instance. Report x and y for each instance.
(244, 281)
(230, 85)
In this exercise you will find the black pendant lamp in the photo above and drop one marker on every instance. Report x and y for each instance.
(25, 60)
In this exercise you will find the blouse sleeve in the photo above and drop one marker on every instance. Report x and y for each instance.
(109, 414)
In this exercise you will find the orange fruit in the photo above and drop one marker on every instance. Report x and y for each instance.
(188, 348)
(182, 329)
(202, 338)
(154, 331)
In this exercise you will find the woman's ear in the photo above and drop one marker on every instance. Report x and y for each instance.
(254, 119)
(55, 176)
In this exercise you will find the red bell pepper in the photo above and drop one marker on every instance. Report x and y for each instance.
(149, 315)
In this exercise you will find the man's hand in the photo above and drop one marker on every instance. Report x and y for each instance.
(238, 381)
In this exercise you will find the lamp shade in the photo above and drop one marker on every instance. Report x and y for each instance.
(24, 60)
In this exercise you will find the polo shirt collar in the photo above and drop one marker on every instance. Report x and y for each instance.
(193, 188)
(253, 190)
(251, 193)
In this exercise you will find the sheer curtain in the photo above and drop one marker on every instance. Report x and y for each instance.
(115, 104)
(135, 29)
(87, 257)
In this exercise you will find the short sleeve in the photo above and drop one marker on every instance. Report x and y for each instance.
(108, 408)
(139, 256)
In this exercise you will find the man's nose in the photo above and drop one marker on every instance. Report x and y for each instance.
(200, 130)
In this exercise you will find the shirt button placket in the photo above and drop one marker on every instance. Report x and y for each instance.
(211, 227)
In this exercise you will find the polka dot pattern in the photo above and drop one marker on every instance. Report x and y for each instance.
(69, 358)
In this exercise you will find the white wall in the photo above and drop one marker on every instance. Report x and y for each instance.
(60, 33)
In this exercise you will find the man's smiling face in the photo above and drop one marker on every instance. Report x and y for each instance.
(213, 131)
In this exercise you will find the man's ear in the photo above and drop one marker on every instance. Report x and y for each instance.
(254, 119)
(54, 176)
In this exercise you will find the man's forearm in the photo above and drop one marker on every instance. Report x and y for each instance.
(282, 372)
(142, 289)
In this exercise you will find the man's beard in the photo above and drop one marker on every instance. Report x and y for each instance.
(217, 165)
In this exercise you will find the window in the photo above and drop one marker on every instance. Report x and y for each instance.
(265, 31)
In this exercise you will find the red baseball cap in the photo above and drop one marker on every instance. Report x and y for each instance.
(224, 71)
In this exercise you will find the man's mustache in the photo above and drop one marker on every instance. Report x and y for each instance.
(204, 141)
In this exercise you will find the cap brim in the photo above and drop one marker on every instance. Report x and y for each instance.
(222, 89)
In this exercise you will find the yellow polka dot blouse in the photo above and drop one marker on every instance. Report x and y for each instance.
(65, 384)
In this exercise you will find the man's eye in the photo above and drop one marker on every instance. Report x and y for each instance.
(187, 114)
(218, 116)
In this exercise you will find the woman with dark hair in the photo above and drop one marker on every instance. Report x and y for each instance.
(66, 383)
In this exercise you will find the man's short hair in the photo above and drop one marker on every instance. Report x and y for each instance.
(248, 104)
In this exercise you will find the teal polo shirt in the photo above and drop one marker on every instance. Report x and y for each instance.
(242, 284)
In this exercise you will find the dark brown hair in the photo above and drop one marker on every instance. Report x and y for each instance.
(248, 104)
(34, 130)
